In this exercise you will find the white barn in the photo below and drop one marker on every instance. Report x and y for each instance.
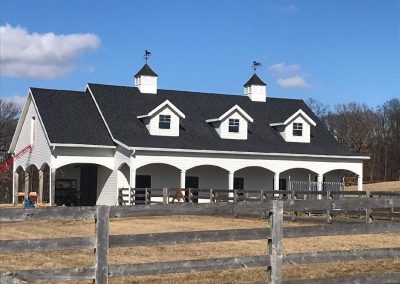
(87, 145)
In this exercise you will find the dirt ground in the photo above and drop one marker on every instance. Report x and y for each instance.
(74, 258)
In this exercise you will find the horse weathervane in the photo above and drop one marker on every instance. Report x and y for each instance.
(147, 54)
(256, 65)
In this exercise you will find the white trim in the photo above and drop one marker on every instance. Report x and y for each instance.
(82, 145)
(297, 113)
(232, 109)
(248, 153)
(159, 107)
(22, 119)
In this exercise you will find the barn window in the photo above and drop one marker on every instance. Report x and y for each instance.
(233, 125)
(165, 122)
(297, 129)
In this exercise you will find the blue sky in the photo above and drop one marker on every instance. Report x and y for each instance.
(333, 51)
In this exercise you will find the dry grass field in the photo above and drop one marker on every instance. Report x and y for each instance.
(73, 258)
(379, 186)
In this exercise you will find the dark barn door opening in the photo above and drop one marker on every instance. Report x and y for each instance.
(88, 186)
(142, 182)
(192, 182)
(238, 183)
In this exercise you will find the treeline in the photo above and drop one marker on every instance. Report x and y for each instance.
(371, 131)
(9, 113)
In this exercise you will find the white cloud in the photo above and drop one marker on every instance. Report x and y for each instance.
(41, 56)
(290, 9)
(18, 100)
(293, 82)
(285, 69)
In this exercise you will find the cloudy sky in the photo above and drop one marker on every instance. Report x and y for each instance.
(333, 51)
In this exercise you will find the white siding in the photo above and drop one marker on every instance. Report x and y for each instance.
(210, 177)
(41, 152)
(287, 133)
(147, 84)
(106, 186)
(153, 124)
(223, 129)
(256, 178)
(256, 93)
(161, 175)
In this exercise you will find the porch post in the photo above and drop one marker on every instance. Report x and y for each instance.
(320, 179)
(15, 188)
(132, 184)
(183, 179)
(276, 181)
(231, 177)
(52, 185)
(27, 178)
(40, 193)
(360, 183)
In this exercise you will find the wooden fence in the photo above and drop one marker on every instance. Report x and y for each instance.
(140, 196)
(273, 261)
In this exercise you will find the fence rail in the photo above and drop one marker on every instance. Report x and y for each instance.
(274, 234)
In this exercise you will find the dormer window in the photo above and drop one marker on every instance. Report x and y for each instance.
(234, 125)
(297, 129)
(164, 121)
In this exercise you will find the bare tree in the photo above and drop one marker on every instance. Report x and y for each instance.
(9, 113)
(319, 109)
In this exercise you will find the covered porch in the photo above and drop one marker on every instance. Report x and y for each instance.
(210, 183)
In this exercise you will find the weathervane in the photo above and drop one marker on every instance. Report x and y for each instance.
(147, 54)
(256, 65)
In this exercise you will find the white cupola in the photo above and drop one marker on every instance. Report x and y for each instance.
(255, 89)
(146, 80)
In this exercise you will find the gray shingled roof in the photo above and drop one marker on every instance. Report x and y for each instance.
(255, 80)
(146, 71)
(71, 117)
(121, 106)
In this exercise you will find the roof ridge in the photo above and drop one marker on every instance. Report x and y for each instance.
(57, 90)
(196, 92)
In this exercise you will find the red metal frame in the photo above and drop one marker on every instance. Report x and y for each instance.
(11, 160)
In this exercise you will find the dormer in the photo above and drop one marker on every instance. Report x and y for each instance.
(255, 89)
(146, 80)
(297, 128)
(164, 120)
(233, 124)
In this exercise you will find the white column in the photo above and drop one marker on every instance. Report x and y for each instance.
(360, 183)
(40, 193)
(320, 179)
(183, 179)
(276, 181)
(132, 184)
(15, 188)
(231, 177)
(52, 184)
(26, 184)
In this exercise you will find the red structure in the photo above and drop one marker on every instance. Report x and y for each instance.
(7, 163)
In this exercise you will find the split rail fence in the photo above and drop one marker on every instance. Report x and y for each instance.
(140, 196)
(274, 233)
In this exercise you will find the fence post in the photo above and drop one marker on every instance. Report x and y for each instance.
(101, 249)
(165, 195)
(328, 212)
(211, 196)
(275, 243)
(368, 211)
